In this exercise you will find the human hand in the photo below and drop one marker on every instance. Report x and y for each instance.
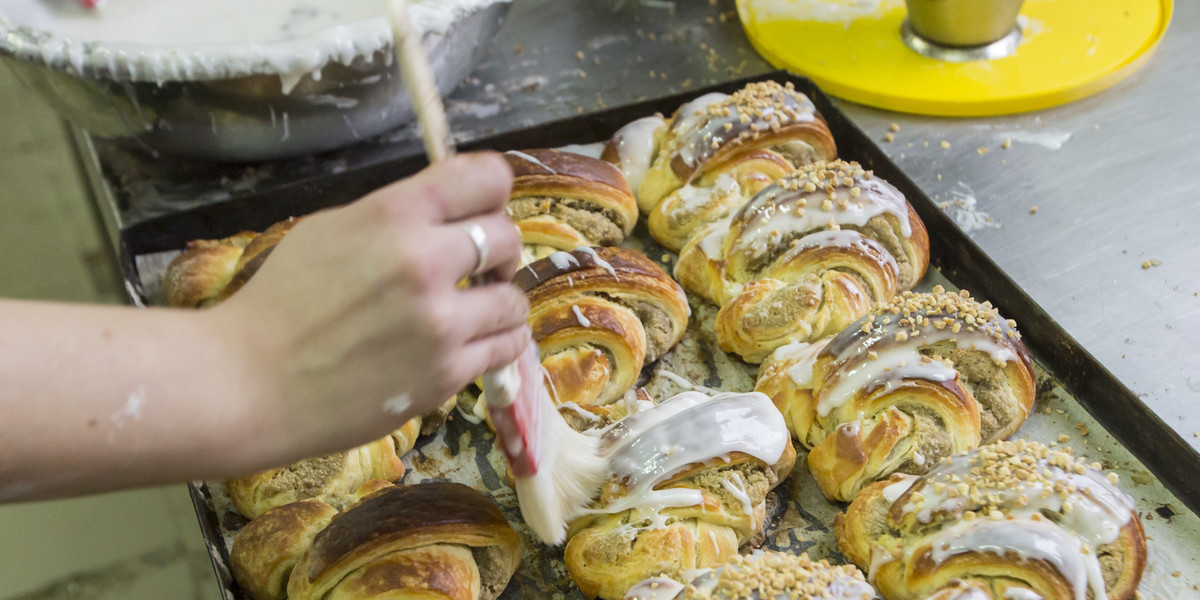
(356, 323)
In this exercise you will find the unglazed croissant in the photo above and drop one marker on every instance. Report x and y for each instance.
(713, 129)
(562, 200)
(209, 271)
(761, 576)
(1008, 520)
(599, 315)
(690, 478)
(805, 257)
(430, 540)
(923, 377)
(332, 479)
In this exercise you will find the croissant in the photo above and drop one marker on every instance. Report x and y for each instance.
(599, 315)
(761, 576)
(805, 257)
(430, 540)
(633, 147)
(715, 128)
(923, 377)
(1007, 520)
(562, 200)
(690, 477)
(207, 273)
(332, 479)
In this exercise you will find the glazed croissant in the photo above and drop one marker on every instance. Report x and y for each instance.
(805, 257)
(1008, 520)
(599, 315)
(207, 273)
(690, 478)
(333, 479)
(923, 377)
(714, 129)
(430, 540)
(562, 200)
(761, 576)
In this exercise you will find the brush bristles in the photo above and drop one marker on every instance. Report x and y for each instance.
(571, 473)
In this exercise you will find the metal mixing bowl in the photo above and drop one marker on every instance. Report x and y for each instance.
(248, 118)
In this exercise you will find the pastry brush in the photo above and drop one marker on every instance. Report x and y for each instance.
(558, 471)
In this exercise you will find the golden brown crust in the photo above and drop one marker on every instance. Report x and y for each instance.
(195, 278)
(599, 316)
(427, 518)
(900, 529)
(562, 200)
(698, 139)
(266, 549)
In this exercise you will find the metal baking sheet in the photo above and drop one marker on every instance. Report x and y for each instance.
(1076, 396)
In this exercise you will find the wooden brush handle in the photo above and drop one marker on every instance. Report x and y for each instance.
(422, 87)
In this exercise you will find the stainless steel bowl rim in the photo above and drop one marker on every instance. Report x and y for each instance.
(135, 62)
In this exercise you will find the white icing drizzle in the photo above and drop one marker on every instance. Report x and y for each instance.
(563, 260)
(685, 384)
(635, 144)
(894, 490)
(650, 447)
(1098, 508)
(579, 316)
(778, 210)
(1030, 540)
(531, 159)
(889, 370)
(918, 459)
(801, 356)
(574, 407)
(736, 486)
(1020, 593)
(699, 130)
(879, 557)
(600, 262)
(691, 198)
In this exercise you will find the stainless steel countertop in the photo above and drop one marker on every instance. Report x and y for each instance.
(1123, 188)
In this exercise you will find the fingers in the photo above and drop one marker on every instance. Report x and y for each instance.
(485, 311)
(454, 189)
(455, 249)
(490, 353)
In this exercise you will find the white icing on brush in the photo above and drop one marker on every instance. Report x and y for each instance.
(1029, 540)
(635, 145)
(801, 356)
(166, 40)
(579, 316)
(532, 160)
(655, 588)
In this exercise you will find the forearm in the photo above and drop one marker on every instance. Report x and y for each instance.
(97, 398)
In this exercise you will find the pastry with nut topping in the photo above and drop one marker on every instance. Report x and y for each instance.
(805, 257)
(1007, 520)
(919, 379)
(713, 130)
(761, 576)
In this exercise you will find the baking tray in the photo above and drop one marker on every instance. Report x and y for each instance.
(1077, 397)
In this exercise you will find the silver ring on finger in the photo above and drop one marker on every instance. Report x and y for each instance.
(479, 238)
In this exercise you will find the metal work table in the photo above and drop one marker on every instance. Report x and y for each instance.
(1108, 251)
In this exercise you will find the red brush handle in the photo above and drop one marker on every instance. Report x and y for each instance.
(518, 424)
(89, 3)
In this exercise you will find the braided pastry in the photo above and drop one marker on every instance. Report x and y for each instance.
(599, 315)
(332, 479)
(688, 507)
(761, 576)
(923, 377)
(805, 257)
(715, 128)
(1008, 520)
(207, 273)
(562, 200)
